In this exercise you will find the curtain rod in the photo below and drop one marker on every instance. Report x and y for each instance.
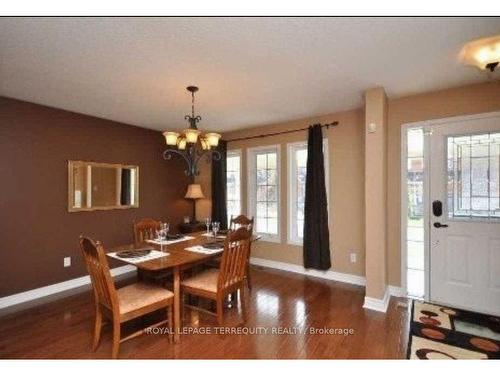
(335, 123)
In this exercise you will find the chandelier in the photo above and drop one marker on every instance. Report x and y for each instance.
(191, 145)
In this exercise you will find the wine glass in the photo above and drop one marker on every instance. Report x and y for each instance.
(215, 228)
(163, 233)
(166, 229)
(208, 221)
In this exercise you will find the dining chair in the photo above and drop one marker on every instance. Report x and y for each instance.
(145, 229)
(238, 222)
(123, 304)
(217, 284)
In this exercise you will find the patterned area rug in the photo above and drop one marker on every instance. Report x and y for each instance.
(438, 332)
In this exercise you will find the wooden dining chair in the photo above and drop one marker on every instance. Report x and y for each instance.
(238, 222)
(145, 229)
(124, 304)
(217, 284)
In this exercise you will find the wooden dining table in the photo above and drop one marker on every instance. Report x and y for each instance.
(178, 260)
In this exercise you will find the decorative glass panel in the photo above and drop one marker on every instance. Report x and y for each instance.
(473, 169)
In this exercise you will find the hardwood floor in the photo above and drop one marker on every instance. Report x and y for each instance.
(63, 328)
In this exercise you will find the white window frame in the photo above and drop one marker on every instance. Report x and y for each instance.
(252, 153)
(236, 152)
(292, 238)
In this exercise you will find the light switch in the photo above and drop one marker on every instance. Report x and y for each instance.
(353, 257)
(67, 261)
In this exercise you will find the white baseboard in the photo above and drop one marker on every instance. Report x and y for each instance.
(329, 275)
(397, 291)
(378, 304)
(370, 303)
(48, 290)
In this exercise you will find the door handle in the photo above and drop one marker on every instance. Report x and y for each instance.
(439, 225)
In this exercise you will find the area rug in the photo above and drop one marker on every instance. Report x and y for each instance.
(439, 332)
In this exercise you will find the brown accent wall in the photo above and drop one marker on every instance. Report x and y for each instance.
(346, 195)
(36, 229)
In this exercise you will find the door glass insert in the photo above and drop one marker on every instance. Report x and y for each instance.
(473, 176)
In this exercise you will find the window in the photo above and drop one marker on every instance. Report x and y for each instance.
(233, 175)
(264, 190)
(415, 213)
(473, 176)
(297, 163)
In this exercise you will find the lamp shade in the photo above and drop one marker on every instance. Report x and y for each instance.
(171, 138)
(482, 52)
(181, 143)
(204, 143)
(213, 139)
(191, 135)
(194, 192)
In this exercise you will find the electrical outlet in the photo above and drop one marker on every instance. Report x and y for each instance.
(67, 261)
(353, 258)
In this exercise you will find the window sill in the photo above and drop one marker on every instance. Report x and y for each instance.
(267, 238)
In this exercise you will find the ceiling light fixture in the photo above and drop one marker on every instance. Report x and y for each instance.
(191, 145)
(483, 53)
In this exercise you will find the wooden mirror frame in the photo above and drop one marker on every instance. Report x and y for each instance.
(71, 200)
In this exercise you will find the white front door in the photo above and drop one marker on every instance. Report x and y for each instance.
(465, 237)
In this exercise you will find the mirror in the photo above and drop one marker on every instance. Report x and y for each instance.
(101, 186)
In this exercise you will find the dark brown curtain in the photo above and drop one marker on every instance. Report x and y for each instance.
(219, 204)
(316, 236)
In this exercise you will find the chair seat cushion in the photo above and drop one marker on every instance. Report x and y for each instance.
(138, 295)
(206, 280)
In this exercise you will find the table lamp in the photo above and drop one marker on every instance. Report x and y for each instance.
(194, 192)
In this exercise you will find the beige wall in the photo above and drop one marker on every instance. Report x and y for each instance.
(376, 192)
(346, 156)
(346, 163)
(433, 105)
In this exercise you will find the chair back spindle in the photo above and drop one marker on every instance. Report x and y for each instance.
(145, 229)
(241, 221)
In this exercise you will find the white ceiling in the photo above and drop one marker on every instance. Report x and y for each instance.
(250, 70)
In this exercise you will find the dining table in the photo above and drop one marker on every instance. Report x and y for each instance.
(179, 258)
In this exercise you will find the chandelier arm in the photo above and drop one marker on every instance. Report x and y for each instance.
(216, 155)
(199, 155)
(167, 155)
